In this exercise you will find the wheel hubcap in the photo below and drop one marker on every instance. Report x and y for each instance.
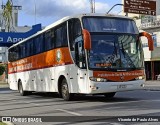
(20, 89)
(64, 91)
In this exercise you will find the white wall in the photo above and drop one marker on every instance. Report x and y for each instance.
(158, 7)
(147, 54)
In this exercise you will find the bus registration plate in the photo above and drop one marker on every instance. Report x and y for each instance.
(121, 86)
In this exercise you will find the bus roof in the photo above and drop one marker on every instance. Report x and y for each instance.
(70, 17)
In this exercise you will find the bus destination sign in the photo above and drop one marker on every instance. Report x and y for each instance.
(146, 7)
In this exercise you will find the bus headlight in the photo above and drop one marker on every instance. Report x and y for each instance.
(140, 77)
(98, 79)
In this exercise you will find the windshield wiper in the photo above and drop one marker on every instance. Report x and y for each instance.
(126, 56)
(115, 49)
(114, 54)
(123, 51)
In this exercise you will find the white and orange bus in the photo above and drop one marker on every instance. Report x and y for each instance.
(81, 54)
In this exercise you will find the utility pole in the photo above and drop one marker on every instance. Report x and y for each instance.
(92, 2)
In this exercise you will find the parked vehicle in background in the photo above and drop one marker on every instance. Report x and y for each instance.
(158, 77)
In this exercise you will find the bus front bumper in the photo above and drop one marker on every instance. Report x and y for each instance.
(106, 87)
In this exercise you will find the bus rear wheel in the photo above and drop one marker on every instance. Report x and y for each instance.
(110, 95)
(20, 89)
(65, 91)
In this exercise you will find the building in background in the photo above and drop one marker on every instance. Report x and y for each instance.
(150, 24)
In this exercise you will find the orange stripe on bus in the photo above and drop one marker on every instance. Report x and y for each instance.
(118, 76)
(56, 57)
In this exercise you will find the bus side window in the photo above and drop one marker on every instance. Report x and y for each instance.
(76, 42)
(30, 47)
(71, 37)
(61, 36)
(10, 58)
(13, 54)
(75, 31)
(39, 44)
(22, 50)
(49, 40)
(52, 43)
(64, 35)
(58, 35)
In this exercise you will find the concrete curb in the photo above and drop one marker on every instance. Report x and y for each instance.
(152, 85)
(4, 86)
(152, 88)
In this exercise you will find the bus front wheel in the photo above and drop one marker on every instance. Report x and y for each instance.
(65, 91)
(20, 89)
(110, 95)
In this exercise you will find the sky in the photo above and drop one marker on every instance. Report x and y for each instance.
(49, 11)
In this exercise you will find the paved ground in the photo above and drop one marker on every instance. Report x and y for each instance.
(133, 103)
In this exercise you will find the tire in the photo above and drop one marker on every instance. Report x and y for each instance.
(65, 91)
(20, 89)
(110, 95)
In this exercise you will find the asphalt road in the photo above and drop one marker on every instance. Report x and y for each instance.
(134, 103)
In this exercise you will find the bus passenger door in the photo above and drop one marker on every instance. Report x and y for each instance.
(81, 63)
(77, 70)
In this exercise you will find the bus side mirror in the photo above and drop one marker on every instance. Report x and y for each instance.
(150, 40)
(87, 40)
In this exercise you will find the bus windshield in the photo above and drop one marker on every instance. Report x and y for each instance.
(116, 52)
(115, 44)
(116, 25)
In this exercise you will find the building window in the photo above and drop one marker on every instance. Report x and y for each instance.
(158, 44)
(154, 37)
(0, 58)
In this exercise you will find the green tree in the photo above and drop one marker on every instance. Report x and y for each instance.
(2, 69)
(7, 15)
(135, 17)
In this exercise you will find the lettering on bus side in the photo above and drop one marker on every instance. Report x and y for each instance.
(120, 74)
(20, 66)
